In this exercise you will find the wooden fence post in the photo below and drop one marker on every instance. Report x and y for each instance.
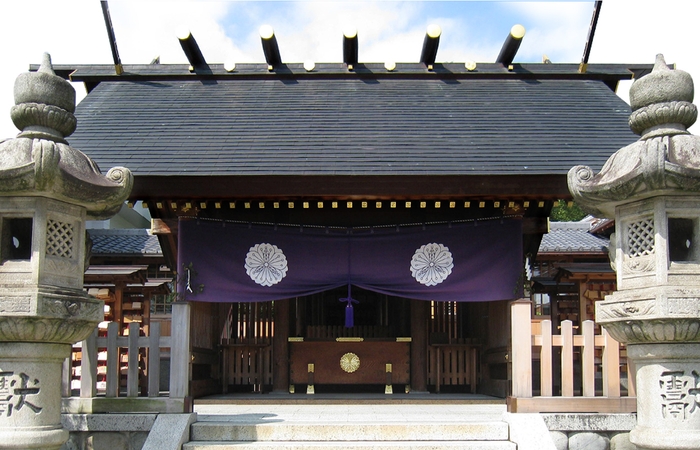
(521, 348)
(567, 359)
(546, 359)
(180, 350)
(132, 374)
(154, 360)
(88, 366)
(588, 359)
(112, 388)
(611, 366)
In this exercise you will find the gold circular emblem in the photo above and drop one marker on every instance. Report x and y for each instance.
(349, 362)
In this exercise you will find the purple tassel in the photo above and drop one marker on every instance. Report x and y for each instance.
(349, 311)
(349, 316)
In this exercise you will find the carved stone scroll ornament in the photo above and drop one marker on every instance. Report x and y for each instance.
(40, 161)
(665, 157)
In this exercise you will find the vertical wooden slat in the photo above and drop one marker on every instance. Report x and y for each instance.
(611, 366)
(132, 373)
(256, 334)
(567, 359)
(431, 363)
(588, 360)
(154, 360)
(112, 387)
(631, 378)
(521, 349)
(67, 376)
(439, 373)
(546, 359)
(88, 367)
(473, 371)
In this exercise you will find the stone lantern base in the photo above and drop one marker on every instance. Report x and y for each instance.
(30, 397)
(668, 396)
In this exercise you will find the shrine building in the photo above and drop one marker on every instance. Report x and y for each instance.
(348, 226)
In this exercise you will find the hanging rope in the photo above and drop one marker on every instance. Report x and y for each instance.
(349, 311)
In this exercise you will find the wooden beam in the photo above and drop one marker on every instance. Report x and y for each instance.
(163, 226)
(535, 225)
(511, 187)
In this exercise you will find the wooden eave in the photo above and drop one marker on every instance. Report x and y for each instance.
(348, 187)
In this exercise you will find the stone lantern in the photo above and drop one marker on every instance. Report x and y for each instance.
(652, 190)
(47, 191)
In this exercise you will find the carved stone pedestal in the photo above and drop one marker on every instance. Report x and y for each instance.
(30, 395)
(668, 398)
(652, 190)
(47, 191)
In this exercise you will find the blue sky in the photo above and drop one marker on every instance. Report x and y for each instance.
(73, 31)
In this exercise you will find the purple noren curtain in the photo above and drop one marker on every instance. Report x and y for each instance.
(226, 262)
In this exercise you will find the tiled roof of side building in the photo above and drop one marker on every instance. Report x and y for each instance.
(351, 126)
(572, 237)
(124, 242)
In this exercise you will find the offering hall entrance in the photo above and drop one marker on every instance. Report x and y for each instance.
(372, 356)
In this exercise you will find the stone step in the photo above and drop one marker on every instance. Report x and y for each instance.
(354, 445)
(345, 432)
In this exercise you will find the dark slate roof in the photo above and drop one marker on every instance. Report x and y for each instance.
(572, 237)
(349, 125)
(124, 242)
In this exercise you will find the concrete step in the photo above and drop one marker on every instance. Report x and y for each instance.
(354, 445)
(302, 432)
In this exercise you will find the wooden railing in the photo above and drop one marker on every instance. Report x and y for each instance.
(336, 331)
(247, 365)
(106, 361)
(452, 365)
(582, 358)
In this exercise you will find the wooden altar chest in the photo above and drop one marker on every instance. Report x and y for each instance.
(350, 362)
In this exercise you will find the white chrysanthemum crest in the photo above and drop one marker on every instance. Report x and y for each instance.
(266, 264)
(431, 264)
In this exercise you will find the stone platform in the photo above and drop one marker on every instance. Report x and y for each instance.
(338, 422)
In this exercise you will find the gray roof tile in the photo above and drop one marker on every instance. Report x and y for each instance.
(124, 242)
(328, 126)
(572, 237)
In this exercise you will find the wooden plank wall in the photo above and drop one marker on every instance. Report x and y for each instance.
(248, 365)
(247, 342)
(452, 365)
(249, 323)
(203, 330)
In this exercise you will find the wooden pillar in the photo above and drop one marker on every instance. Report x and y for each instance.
(280, 350)
(521, 348)
(180, 352)
(118, 298)
(419, 346)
